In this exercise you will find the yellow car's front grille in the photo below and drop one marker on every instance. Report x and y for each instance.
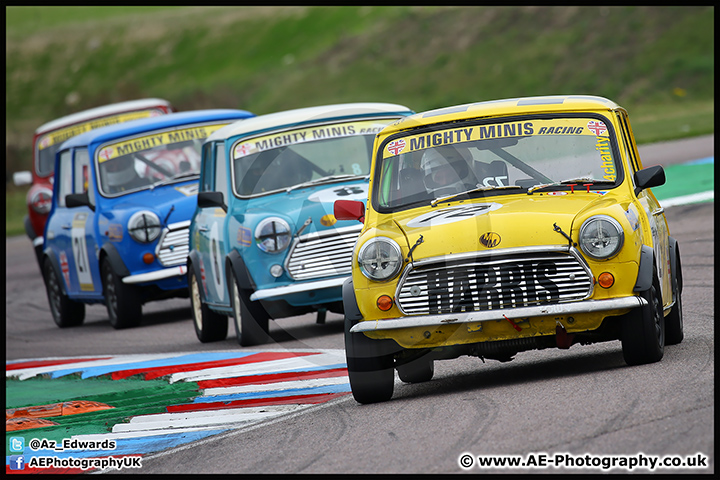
(486, 282)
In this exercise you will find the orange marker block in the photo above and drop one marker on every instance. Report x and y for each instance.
(56, 409)
(25, 423)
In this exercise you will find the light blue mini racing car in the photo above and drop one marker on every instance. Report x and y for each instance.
(264, 243)
(118, 227)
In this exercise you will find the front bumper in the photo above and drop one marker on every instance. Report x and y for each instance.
(488, 315)
(179, 271)
(280, 292)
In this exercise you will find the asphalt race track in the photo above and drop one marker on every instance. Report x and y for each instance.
(579, 408)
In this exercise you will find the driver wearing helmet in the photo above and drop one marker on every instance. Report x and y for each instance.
(446, 171)
(120, 175)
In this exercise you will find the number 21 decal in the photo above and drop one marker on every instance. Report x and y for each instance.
(80, 252)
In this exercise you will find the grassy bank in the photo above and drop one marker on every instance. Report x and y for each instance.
(658, 62)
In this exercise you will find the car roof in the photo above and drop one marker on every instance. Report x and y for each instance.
(103, 111)
(505, 107)
(101, 135)
(300, 116)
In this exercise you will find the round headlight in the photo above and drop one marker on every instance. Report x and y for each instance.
(272, 235)
(144, 226)
(601, 237)
(380, 259)
(41, 200)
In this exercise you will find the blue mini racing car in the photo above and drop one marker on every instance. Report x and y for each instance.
(118, 227)
(264, 243)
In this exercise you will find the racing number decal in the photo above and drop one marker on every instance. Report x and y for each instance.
(347, 192)
(216, 261)
(498, 181)
(452, 214)
(80, 252)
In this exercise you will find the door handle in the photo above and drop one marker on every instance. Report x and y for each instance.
(203, 228)
(67, 226)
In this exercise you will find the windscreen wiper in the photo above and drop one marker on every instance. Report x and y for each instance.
(326, 179)
(585, 181)
(175, 177)
(474, 190)
(152, 165)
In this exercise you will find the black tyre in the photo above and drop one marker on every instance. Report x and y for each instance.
(65, 312)
(370, 368)
(417, 370)
(210, 326)
(674, 332)
(643, 331)
(123, 302)
(251, 319)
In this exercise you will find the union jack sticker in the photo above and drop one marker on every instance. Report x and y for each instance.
(396, 146)
(243, 149)
(106, 153)
(45, 142)
(597, 127)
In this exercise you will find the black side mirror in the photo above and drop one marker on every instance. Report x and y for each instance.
(78, 200)
(211, 200)
(649, 177)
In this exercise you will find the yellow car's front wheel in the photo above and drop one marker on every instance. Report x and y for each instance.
(643, 331)
(370, 367)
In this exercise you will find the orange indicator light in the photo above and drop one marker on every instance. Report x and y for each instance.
(385, 303)
(606, 280)
(148, 258)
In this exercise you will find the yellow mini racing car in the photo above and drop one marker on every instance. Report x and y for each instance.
(497, 227)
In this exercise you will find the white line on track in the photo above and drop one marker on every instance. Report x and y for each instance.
(310, 362)
(688, 199)
(275, 387)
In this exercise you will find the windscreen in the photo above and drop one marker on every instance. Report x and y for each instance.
(304, 157)
(152, 158)
(46, 145)
(490, 159)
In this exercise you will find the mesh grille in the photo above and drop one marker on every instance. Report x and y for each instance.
(323, 255)
(493, 282)
(173, 247)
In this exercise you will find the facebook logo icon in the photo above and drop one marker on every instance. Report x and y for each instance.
(17, 462)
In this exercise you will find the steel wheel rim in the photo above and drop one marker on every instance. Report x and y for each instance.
(195, 301)
(236, 307)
